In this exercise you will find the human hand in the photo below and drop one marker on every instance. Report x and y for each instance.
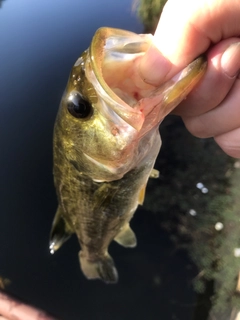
(12, 309)
(187, 29)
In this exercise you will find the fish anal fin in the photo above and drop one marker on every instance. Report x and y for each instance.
(60, 232)
(126, 237)
(102, 268)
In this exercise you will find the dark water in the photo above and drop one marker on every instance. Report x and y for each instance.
(39, 42)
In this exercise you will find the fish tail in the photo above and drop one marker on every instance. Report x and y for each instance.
(102, 268)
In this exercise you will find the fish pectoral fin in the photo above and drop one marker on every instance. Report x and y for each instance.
(103, 196)
(102, 268)
(154, 174)
(126, 237)
(60, 232)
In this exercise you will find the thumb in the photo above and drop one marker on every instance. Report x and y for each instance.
(185, 30)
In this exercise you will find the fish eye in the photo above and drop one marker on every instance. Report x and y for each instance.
(78, 107)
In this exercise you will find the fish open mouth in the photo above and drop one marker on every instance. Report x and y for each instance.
(114, 59)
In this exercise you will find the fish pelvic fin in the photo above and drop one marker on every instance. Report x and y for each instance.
(126, 237)
(60, 232)
(154, 174)
(102, 268)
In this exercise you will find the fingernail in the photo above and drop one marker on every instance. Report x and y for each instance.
(154, 67)
(230, 61)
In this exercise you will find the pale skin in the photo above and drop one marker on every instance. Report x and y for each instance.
(186, 29)
(13, 309)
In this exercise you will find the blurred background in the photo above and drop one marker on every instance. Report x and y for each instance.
(186, 264)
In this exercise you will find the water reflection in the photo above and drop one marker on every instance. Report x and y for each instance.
(201, 186)
(193, 212)
(205, 224)
(219, 226)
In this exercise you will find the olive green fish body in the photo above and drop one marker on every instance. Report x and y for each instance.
(98, 212)
(106, 140)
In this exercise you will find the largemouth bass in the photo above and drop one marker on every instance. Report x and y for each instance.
(106, 140)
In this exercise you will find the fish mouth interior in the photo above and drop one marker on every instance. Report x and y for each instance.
(115, 56)
(120, 72)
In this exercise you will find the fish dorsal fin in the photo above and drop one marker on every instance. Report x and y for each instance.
(126, 237)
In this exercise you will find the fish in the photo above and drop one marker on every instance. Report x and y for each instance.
(106, 140)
